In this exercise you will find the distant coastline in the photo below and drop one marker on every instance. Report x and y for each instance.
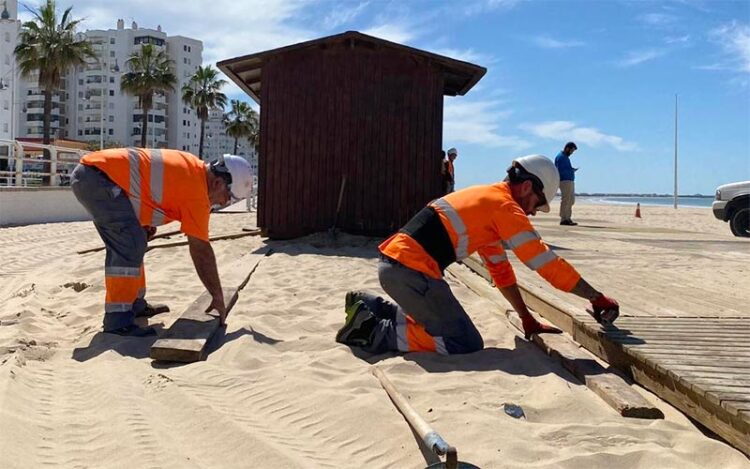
(602, 194)
(697, 200)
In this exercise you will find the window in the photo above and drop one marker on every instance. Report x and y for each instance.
(111, 79)
(111, 53)
(184, 60)
(5, 104)
(80, 132)
(5, 126)
(148, 40)
(111, 118)
(111, 92)
(111, 105)
(7, 37)
(111, 131)
(7, 59)
(111, 40)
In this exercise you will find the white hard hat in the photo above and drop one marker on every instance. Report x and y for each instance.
(239, 169)
(544, 170)
(452, 151)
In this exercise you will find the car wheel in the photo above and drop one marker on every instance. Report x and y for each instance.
(740, 222)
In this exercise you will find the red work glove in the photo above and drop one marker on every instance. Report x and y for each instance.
(532, 326)
(605, 309)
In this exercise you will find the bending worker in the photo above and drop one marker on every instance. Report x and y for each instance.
(130, 191)
(488, 219)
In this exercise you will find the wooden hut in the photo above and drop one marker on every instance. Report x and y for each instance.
(348, 107)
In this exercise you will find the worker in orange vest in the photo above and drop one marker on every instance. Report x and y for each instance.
(449, 171)
(488, 219)
(130, 191)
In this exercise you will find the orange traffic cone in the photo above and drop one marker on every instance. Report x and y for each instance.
(638, 210)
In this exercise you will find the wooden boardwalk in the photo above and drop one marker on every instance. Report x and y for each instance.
(700, 363)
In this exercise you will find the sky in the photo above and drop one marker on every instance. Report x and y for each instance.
(603, 74)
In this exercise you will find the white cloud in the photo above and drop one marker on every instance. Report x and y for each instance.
(477, 122)
(566, 130)
(677, 39)
(638, 57)
(341, 14)
(658, 19)
(547, 42)
(735, 40)
(394, 32)
(467, 55)
(471, 8)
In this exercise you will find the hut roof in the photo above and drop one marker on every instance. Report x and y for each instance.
(246, 71)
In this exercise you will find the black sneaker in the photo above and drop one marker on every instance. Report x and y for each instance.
(133, 331)
(568, 223)
(359, 325)
(152, 310)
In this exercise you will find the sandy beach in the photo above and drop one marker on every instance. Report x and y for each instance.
(277, 390)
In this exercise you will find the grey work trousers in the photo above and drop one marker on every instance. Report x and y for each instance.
(429, 302)
(119, 228)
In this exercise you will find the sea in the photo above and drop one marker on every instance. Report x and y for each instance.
(682, 201)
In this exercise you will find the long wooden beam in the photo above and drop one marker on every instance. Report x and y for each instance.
(610, 387)
(713, 407)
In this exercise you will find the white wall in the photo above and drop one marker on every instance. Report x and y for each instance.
(22, 206)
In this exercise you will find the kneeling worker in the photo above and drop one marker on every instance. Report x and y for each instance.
(130, 191)
(488, 219)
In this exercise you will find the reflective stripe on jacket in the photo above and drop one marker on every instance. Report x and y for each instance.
(486, 219)
(162, 185)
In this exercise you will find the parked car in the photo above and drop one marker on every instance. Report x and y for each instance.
(732, 204)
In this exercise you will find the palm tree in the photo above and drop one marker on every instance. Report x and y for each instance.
(51, 47)
(241, 122)
(150, 71)
(202, 93)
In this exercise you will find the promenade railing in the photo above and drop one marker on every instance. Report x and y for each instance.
(22, 163)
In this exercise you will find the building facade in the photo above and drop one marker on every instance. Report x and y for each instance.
(9, 86)
(104, 115)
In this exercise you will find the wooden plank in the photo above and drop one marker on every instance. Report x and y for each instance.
(187, 338)
(662, 378)
(610, 387)
(212, 238)
(185, 341)
(158, 236)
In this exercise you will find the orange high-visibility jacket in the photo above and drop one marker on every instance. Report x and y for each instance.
(162, 185)
(482, 219)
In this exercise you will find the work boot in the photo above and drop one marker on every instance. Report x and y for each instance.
(133, 331)
(568, 223)
(152, 310)
(359, 325)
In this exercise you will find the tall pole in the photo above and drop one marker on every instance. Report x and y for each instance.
(101, 111)
(675, 151)
(13, 105)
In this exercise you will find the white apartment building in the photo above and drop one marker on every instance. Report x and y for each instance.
(102, 113)
(9, 89)
(183, 131)
(22, 110)
(217, 142)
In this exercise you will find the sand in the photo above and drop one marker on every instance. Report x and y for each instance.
(278, 392)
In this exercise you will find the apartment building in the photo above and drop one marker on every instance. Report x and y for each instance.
(104, 114)
(217, 142)
(9, 89)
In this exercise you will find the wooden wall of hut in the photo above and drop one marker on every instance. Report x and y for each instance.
(353, 109)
